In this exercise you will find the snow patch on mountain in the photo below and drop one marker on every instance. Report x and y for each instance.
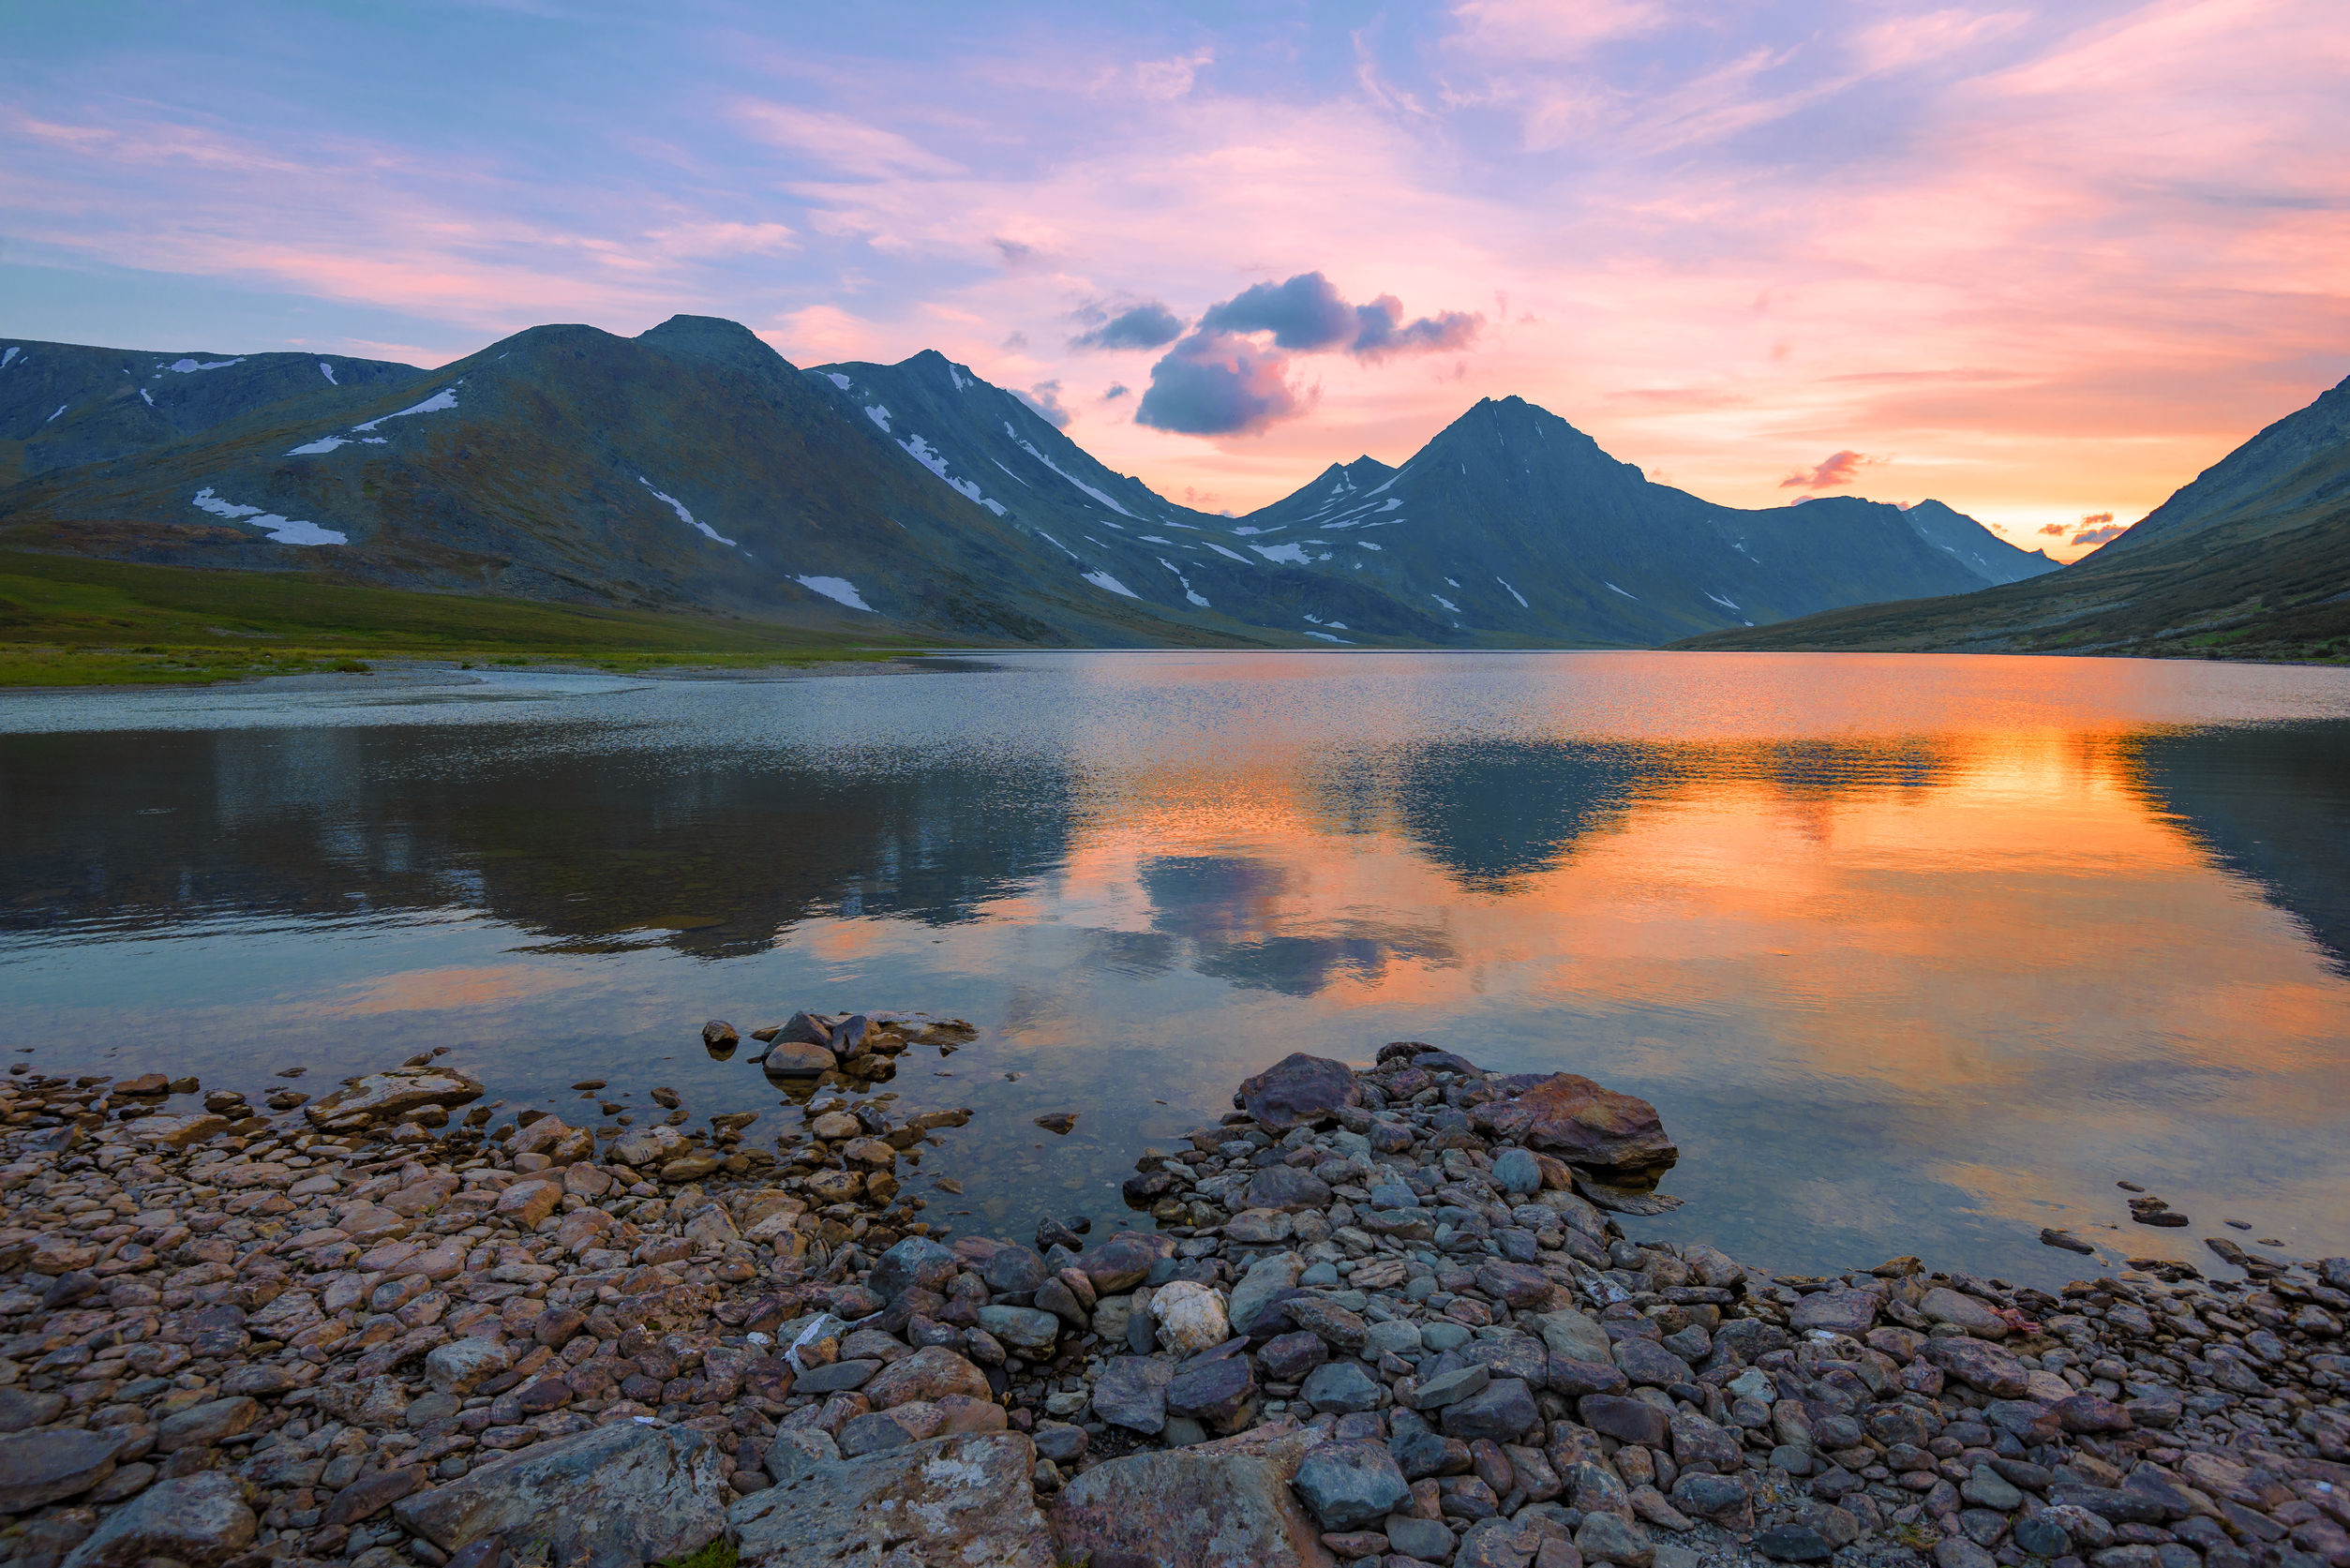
(1634, 597)
(687, 518)
(282, 529)
(328, 371)
(1293, 555)
(189, 367)
(839, 589)
(1103, 580)
(440, 402)
(1446, 603)
(1031, 449)
(324, 443)
(10, 357)
(1513, 592)
(1233, 555)
(935, 461)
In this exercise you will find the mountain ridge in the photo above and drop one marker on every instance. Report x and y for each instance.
(692, 465)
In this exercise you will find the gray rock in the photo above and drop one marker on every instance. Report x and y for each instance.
(964, 1500)
(1396, 1336)
(1220, 1390)
(1956, 1551)
(206, 1424)
(1517, 1170)
(1569, 1332)
(1987, 1488)
(1351, 1486)
(1714, 1498)
(1224, 1504)
(1059, 1441)
(612, 1497)
(836, 1377)
(1847, 1312)
(1624, 1420)
(1447, 1388)
(1794, 1543)
(871, 1433)
(917, 1261)
(1289, 1188)
(1501, 1410)
(1266, 1279)
(1340, 1386)
(197, 1519)
(1131, 1393)
(1648, 1362)
(1610, 1538)
(1422, 1540)
(1942, 1305)
(49, 1465)
(462, 1365)
(1014, 1270)
(797, 1450)
(387, 1097)
(1024, 1327)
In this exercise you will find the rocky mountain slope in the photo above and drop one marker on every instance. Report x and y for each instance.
(61, 404)
(693, 466)
(2250, 559)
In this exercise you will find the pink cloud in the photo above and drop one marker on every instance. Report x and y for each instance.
(1837, 468)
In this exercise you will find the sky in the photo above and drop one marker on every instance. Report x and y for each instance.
(2042, 262)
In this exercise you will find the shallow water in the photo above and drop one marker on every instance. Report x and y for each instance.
(1914, 953)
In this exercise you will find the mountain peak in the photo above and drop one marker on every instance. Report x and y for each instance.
(713, 338)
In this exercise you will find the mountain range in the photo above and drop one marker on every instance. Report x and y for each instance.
(2250, 559)
(694, 468)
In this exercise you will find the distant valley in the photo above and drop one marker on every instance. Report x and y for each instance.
(693, 469)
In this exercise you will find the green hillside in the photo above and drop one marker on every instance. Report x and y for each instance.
(67, 620)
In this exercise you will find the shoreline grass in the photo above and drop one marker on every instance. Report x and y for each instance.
(71, 620)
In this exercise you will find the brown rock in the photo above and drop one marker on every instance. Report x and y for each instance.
(1299, 1088)
(370, 1495)
(525, 1204)
(930, 1373)
(47, 1466)
(197, 1519)
(1225, 1504)
(1618, 1136)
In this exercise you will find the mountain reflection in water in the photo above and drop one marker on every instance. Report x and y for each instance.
(1914, 954)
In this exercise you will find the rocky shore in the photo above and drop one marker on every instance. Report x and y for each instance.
(1387, 1315)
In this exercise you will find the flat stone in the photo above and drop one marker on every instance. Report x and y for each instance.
(390, 1096)
(930, 1373)
(370, 1495)
(1987, 1488)
(1351, 1486)
(1219, 1390)
(1503, 1410)
(1518, 1286)
(1266, 1278)
(50, 1465)
(1569, 1332)
(462, 1365)
(1575, 1379)
(1340, 1386)
(1022, 1327)
(1421, 1539)
(1289, 1357)
(1852, 1313)
(1342, 1330)
(1606, 1537)
(1648, 1363)
(206, 1424)
(836, 1377)
(611, 1496)
(1224, 1504)
(798, 1059)
(1942, 1305)
(1715, 1499)
(1447, 1388)
(1131, 1393)
(198, 1519)
(1624, 1420)
(1299, 1088)
(1288, 1187)
(1984, 1368)
(1794, 1543)
(964, 1500)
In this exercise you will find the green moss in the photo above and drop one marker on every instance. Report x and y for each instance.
(719, 1553)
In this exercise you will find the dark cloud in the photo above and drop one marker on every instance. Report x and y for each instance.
(2102, 534)
(1382, 330)
(1118, 390)
(1305, 314)
(1148, 325)
(1045, 399)
(1221, 378)
(1839, 468)
(1217, 384)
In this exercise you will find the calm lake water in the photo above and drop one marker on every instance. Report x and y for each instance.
(1914, 953)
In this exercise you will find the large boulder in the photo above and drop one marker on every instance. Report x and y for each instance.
(613, 1497)
(197, 1519)
(1298, 1088)
(1224, 1504)
(965, 1501)
(1618, 1137)
(53, 1462)
(388, 1097)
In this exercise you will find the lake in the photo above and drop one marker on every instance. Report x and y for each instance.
(1913, 953)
